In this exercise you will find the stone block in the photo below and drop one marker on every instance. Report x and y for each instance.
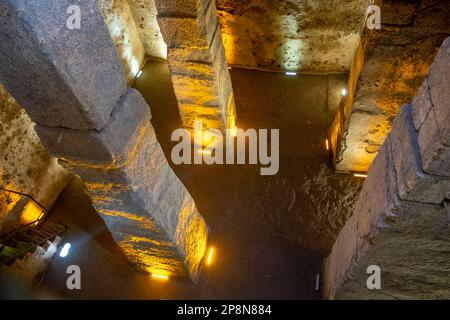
(201, 69)
(439, 79)
(409, 212)
(378, 211)
(198, 54)
(189, 31)
(148, 210)
(413, 183)
(125, 34)
(114, 198)
(145, 243)
(182, 7)
(211, 117)
(421, 105)
(434, 152)
(161, 200)
(112, 145)
(413, 240)
(173, 245)
(63, 77)
(142, 167)
(201, 92)
(225, 86)
(374, 206)
(192, 69)
(377, 198)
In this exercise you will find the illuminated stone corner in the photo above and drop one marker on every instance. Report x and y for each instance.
(197, 62)
(400, 192)
(72, 83)
(148, 210)
(125, 35)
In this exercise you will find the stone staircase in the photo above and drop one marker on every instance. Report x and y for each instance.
(26, 251)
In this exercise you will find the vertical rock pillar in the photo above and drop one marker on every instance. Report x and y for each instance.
(197, 62)
(71, 83)
(400, 211)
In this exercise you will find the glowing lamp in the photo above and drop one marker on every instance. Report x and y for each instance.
(210, 257)
(160, 277)
(65, 250)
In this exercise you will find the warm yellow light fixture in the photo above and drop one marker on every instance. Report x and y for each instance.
(360, 175)
(210, 257)
(208, 138)
(39, 220)
(32, 212)
(327, 144)
(233, 132)
(207, 152)
(160, 277)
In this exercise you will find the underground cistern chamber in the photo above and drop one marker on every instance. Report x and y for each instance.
(204, 150)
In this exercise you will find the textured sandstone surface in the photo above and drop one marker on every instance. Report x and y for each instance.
(144, 13)
(25, 165)
(302, 35)
(121, 25)
(270, 233)
(434, 136)
(68, 82)
(413, 183)
(148, 210)
(408, 240)
(75, 89)
(197, 63)
(401, 219)
(396, 60)
(413, 255)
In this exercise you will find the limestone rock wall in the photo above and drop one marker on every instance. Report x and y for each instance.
(25, 166)
(197, 63)
(301, 35)
(401, 219)
(121, 25)
(388, 69)
(144, 13)
(75, 90)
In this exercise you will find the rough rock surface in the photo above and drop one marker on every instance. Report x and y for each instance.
(413, 183)
(121, 24)
(25, 165)
(396, 61)
(302, 35)
(401, 219)
(144, 13)
(197, 62)
(434, 136)
(332, 197)
(148, 210)
(64, 83)
(145, 206)
(413, 256)
(270, 236)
